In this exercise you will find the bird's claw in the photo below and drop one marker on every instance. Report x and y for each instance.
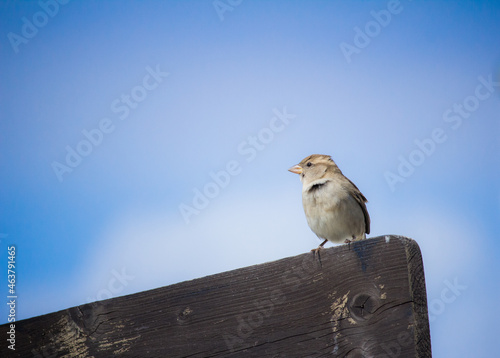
(316, 253)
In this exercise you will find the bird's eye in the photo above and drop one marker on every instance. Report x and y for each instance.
(309, 164)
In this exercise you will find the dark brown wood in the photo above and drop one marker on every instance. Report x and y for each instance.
(366, 299)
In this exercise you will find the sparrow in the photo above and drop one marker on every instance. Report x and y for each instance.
(335, 208)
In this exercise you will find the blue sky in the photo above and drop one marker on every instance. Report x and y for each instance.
(153, 100)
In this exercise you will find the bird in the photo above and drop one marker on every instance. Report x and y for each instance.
(334, 206)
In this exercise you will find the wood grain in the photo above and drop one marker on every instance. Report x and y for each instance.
(366, 299)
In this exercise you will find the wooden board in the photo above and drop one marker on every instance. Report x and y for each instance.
(366, 299)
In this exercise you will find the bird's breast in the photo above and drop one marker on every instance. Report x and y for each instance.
(330, 212)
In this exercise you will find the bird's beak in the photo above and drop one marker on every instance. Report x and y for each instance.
(297, 169)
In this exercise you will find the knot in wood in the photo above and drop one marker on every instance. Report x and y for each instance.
(184, 315)
(363, 306)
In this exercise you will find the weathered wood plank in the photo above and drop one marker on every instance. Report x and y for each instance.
(366, 299)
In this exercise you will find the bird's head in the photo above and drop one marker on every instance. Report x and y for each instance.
(314, 167)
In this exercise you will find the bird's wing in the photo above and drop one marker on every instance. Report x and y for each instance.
(361, 200)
